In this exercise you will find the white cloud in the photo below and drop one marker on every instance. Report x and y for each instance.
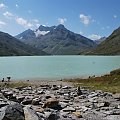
(17, 6)
(36, 20)
(37, 25)
(23, 22)
(84, 19)
(29, 25)
(94, 36)
(2, 6)
(2, 23)
(62, 20)
(115, 16)
(8, 14)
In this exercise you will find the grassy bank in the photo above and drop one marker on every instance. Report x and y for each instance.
(109, 83)
(14, 84)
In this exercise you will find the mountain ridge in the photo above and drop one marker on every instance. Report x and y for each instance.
(10, 46)
(58, 40)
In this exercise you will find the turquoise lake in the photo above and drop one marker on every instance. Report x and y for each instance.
(56, 67)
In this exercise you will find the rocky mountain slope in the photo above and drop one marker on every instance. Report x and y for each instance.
(10, 46)
(100, 40)
(57, 40)
(111, 46)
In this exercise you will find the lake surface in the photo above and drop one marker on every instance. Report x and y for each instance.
(56, 67)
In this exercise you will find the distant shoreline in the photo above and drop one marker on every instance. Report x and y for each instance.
(53, 79)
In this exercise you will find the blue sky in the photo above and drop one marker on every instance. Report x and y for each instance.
(91, 18)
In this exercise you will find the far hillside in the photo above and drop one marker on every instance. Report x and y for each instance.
(10, 46)
(111, 46)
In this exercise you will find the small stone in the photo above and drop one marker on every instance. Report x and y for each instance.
(20, 98)
(118, 106)
(65, 87)
(92, 95)
(2, 104)
(85, 108)
(47, 114)
(40, 92)
(69, 109)
(78, 114)
(27, 101)
(116, 96)
(8, 94)
(79, 92)
(35, 101)
(100, 105)
(53, 116)
(63, 104)
(47, 96)
(41, 110)
(66, 94)
(51, 103)
(2, 96)
(113, 117)
(109, 112)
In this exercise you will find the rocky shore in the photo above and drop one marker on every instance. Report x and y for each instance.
(58, 102)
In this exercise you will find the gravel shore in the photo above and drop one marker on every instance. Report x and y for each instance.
(57, 100)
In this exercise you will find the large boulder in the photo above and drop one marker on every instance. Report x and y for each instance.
(14, 111)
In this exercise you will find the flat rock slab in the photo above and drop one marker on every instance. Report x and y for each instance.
(30, 114)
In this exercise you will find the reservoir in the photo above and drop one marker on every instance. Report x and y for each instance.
(56, 67)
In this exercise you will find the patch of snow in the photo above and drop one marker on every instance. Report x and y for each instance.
(38, 33)
(44, 25)
(21, 38)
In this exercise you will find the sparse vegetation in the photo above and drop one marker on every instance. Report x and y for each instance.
(14, 84)
(110, 83)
